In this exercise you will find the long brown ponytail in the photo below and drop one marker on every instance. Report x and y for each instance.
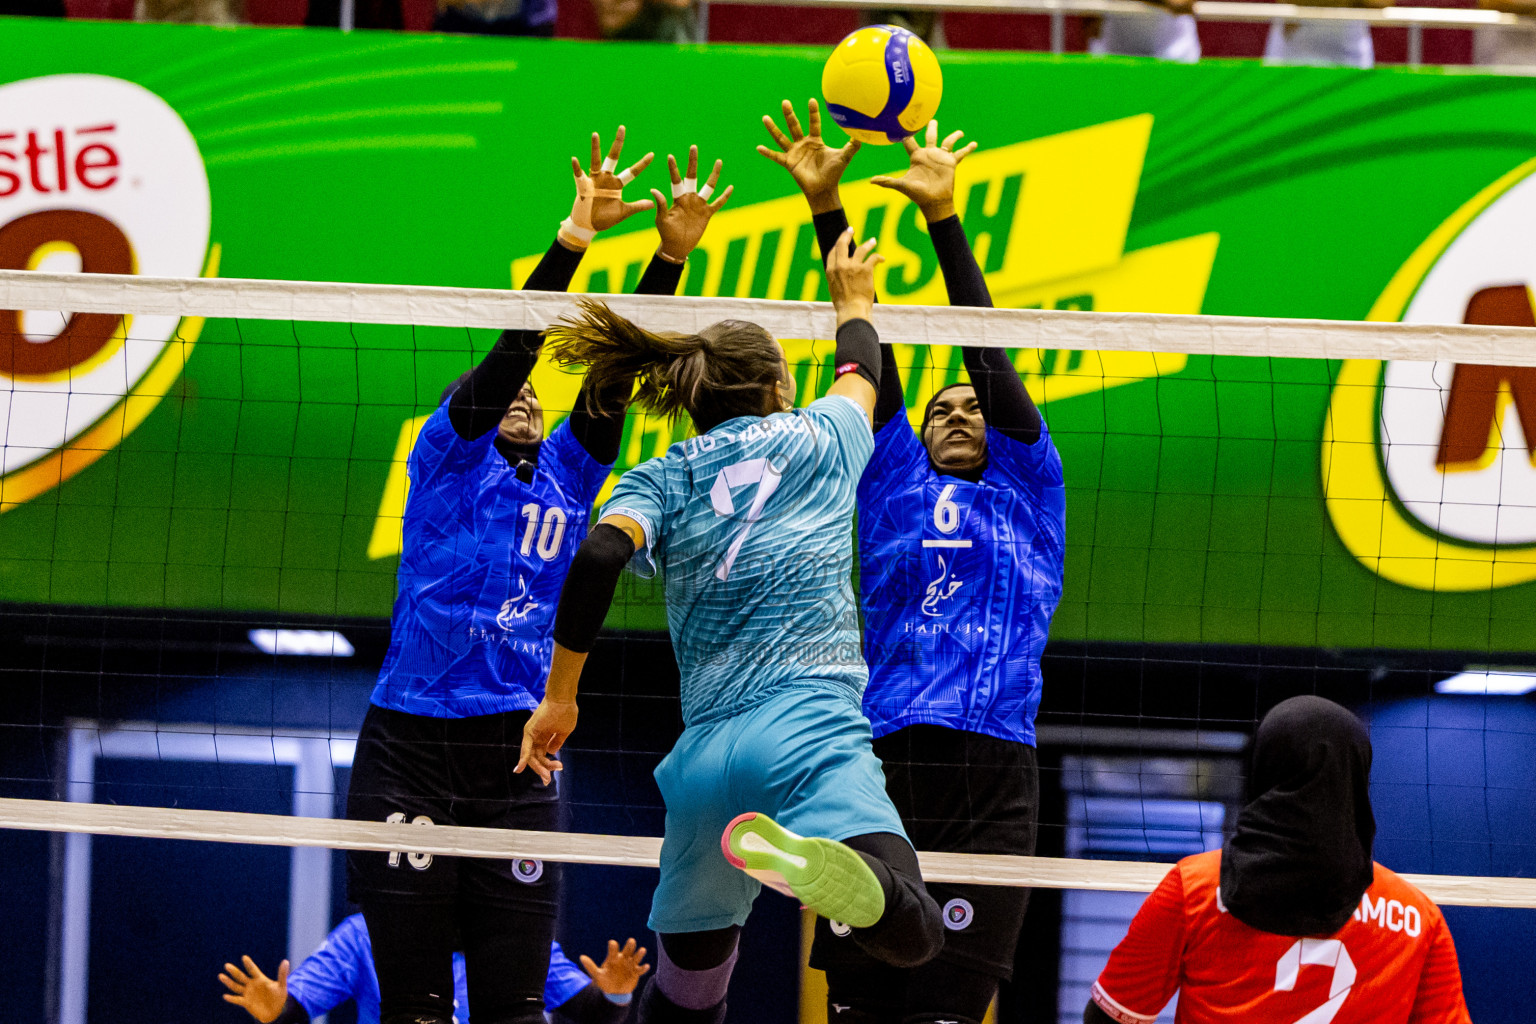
(729, 369)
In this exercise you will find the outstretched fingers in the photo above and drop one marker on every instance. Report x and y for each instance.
(633, 171)
(779, 138)
(714, 207)
(951, 139)
(933, 133)
(795, 131)
(815, 118)
(970, 148)
(611, 162)
(777, 158)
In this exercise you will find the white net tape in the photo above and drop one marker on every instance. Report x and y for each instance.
(628, 851)
(913, 325)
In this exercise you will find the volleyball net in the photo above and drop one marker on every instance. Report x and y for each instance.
(203, 484)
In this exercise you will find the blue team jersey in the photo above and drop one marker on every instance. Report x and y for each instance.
(342, 969)
(752, 526)
(958, 583)
(483, 557)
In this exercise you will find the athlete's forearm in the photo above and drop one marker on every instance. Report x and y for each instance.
(598, 419)
(1005, 403)
(482, 399)
(893, 399)
(829, 228)
(585, 599)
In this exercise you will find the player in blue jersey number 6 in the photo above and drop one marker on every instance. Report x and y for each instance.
(773, 779)
(494, 516)
(961, 538)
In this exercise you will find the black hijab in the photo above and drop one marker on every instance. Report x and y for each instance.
(1301, 857)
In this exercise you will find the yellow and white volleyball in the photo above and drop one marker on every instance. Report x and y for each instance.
(882, 84)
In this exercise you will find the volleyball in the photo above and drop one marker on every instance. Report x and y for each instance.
(882, 84)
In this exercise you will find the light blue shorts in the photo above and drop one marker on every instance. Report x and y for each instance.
(802, 757)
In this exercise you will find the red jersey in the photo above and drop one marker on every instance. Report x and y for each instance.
(1392, 963)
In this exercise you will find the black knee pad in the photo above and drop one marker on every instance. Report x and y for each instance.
(656, 1008)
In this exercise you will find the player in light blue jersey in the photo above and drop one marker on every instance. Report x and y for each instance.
(493, 519)
(342, 969)
(961, 540)
(750, 523)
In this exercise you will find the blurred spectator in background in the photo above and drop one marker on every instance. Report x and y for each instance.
(1322, 43)
(1506, 47)
(666, 21)
(496, 17)
(192, 12)
(926, 25)
(1167, 32)
(33, 8)
(365, 14)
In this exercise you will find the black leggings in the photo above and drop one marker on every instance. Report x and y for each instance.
(909, 933)
(506, 959)
(939, 990)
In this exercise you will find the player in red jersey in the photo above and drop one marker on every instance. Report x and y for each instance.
(1290, 923)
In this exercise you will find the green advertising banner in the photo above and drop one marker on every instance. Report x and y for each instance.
(258, 466)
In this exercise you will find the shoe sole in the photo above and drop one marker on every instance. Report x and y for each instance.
(826, 876)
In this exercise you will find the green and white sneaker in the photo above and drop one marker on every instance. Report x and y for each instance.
(825, 876)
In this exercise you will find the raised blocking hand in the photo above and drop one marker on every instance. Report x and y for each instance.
(816, 167)
(682, 224)
(929, 181)
(600, 192)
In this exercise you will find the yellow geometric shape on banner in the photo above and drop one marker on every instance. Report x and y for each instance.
(121, 420)
(1365, 514)
(390, 522)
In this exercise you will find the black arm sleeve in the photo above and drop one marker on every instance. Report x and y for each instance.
(1005, 404)
(293, 1013)
(590, 1006)
(892, 399)
(587, 593)
(858, 347)
(1093, 1015)
(483, 396)
(601, 431)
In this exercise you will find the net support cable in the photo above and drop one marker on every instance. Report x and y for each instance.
(423, 306)
(627, 851)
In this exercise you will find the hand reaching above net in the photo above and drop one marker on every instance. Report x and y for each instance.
(600, 200)
(929, 180)
(816, 167)
(682, 224)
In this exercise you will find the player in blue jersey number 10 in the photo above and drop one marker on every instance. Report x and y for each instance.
(961, 537)
(494, 516)
(773, 779)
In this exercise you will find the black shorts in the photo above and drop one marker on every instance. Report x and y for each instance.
(959, 792)
(449, 771)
